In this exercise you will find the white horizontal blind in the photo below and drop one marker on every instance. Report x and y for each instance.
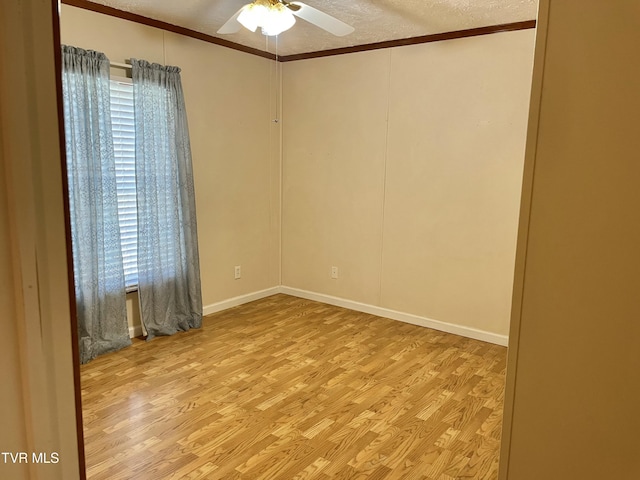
(124, 143)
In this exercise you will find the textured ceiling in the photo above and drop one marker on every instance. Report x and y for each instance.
(374, 20)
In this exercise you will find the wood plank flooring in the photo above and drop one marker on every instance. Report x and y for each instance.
(286, 388)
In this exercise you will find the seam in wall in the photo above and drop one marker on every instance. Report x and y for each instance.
(384, 175)
(280, 103)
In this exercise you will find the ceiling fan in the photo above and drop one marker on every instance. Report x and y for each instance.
(276, 16)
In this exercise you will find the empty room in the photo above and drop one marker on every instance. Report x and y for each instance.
(318, 240)
(386, 182)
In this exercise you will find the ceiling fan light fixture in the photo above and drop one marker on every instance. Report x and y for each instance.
(252, 15)
(277, 19)
(273, 18)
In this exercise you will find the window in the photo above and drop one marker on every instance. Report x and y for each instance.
(124, 145)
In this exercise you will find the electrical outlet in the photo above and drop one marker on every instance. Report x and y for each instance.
(334, 272)
(237, 272)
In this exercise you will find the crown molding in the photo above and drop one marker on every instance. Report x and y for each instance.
(437, 37)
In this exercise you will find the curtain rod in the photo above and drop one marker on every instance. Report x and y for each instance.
(120, 65)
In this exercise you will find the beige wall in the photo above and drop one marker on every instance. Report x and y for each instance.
(573, 384)
(37, 407)
(333, 173)
(403, 168)
(229, 97)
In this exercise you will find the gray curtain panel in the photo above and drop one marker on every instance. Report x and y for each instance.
(97, 256)
(168, 261)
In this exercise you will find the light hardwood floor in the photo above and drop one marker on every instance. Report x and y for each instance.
(285, 388)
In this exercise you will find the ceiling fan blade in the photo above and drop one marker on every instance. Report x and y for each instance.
(232, 25)
(320, 19)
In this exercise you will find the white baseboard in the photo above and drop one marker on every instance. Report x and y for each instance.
(357, 306)
(135, 331)
(235, 301)
(401, 316)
